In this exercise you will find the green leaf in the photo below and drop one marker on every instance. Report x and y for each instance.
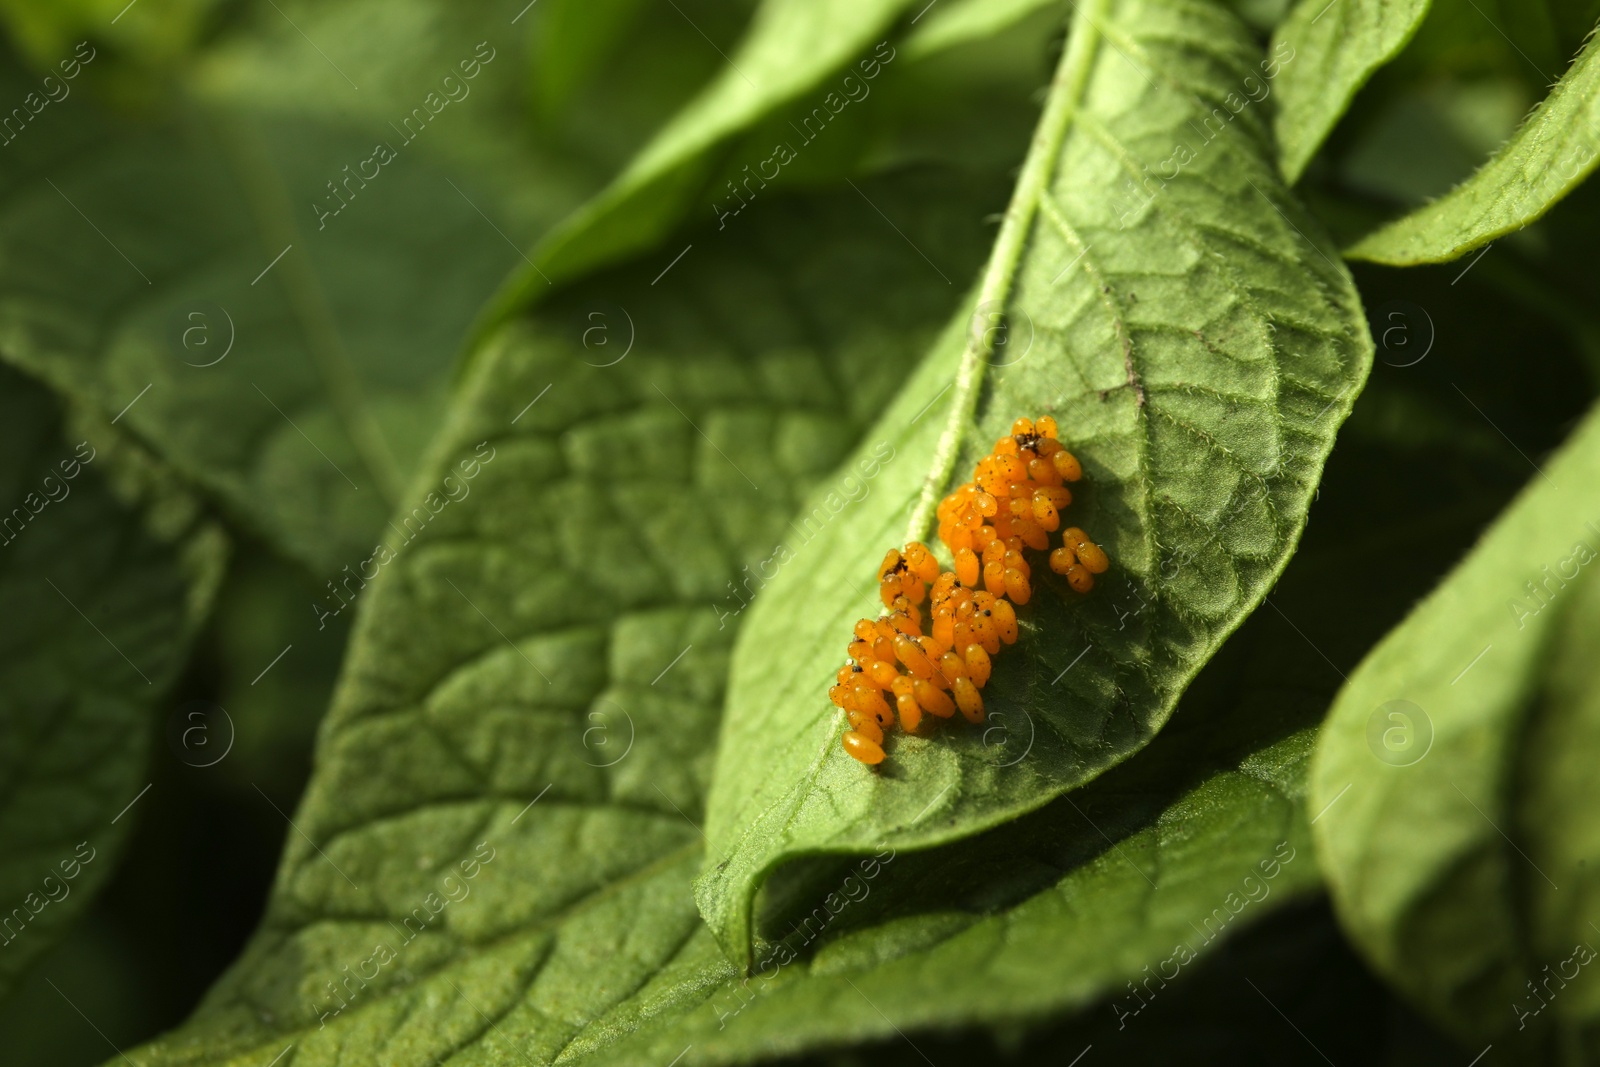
(191, 265)
(791, 46)
(1452, 776)
(573, 41)
(1092, 898)
(105, 582)
(1198, 351)
(564, 608)
(1550, 154)
(963, 21)
(1328, 51)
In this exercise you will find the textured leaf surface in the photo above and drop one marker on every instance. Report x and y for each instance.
(102, 599)
(1454, 772)
(1140, 873)
(1328, 51)
(561, 616)
(135, 253)
(1556, 147)
(1198, 352)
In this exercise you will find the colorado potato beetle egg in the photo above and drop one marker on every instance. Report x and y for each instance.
(901, 673)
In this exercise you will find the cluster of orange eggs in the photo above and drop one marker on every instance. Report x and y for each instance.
(1013, 502)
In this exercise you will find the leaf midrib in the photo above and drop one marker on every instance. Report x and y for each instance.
(999, 275)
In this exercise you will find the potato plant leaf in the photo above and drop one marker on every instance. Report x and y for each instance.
(1472, 719)
(1328, 51)
(247, 282)
(1199, 351)
(103, 597)
(1554, 149)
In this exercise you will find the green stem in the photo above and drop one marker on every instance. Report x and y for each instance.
(1066, 92)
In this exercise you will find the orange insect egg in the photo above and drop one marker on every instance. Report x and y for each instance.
(1059, 495)
(968, 700)
(869, 729)
(922, 563)
(906, 705)
(962, 634)
(1067, 466)
(1017, 587)
(903, 624)
(952, 666)
(988, 639)
(978, 664)
(967, 567)
(1043, 471)
(870, 700)
(1091, 555)
(892, 564)
(1033, 534)
(882, 674)
(1045, 513)
(865, 630)
(933, 650)
(1005, 622)
(1006, 446)
(994, 577)
(861, 747)
(1022, 426)
(932, 699)
(1063, 558)
(839, 694)
(1046, 426)
(984, 630)
(1012, 469)
(1080, 579)
(861, 652)
(888, 589)
(911, 654)
(944, 630)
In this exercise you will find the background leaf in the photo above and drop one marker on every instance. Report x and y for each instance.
(791, 46)
(1465, 720)
(1198, 352)
(1328, 51)
(1549, 155)
(141, 249)
(103, 592)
